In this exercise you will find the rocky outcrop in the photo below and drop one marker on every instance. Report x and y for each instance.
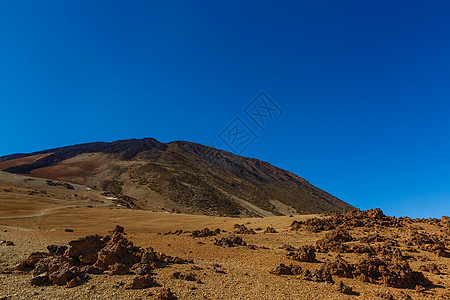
(94, 254)
(305, 254)
(230, 241)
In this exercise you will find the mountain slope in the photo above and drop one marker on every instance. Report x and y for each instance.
(178, 176)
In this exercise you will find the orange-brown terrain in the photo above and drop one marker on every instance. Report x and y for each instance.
(59, 238)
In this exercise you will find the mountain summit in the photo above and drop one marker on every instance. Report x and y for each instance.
(178, 176)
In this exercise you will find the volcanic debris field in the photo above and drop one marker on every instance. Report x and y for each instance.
(352, 255)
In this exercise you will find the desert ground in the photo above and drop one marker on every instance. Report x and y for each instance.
(273, 264)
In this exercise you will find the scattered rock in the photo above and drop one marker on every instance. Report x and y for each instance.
(118, 229)
(205, 232)
(64, 275)
(176, 232)
(118, 269)
(350, 219)
(373, 270)
(188, 277)
(270, 230)
(313, 225)
(165, 294)
(7, 243)
(56, 250)
(92, 255)
(281, 269)
(92, 270)
(305, 254)
(319, 275)
(85, 249)
(144, 269)
(230, 241)
(372, 238)
(342, 288)
(288, 248)
(39, 279)
(142, 282)
(339, 268)
(393, 274)
(333, 241)
(34, 257)
(242, 229)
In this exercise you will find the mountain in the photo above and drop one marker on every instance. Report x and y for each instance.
(178, 176)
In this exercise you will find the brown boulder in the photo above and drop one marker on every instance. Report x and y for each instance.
(92, 270)
(342, 288)
(117, 250)
(118, 269)
(270, 230)
(34, 257)
(281, 269)
(339, 267)
(51, 264)
(305, 254)
(319, 275)
(242, 229)
(39, 279)
(86, 248)
(188, 277)
(205, 232)
(394, 274)
(165, 294)
(63, 275)
(56, 250)
(333, 241)
(142, 282)
(230, 241)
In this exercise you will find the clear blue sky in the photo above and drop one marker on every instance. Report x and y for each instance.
(364, 85)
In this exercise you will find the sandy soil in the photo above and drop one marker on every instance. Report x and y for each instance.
(34, 221)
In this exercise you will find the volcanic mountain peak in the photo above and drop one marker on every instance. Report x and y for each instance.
(178, 176)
